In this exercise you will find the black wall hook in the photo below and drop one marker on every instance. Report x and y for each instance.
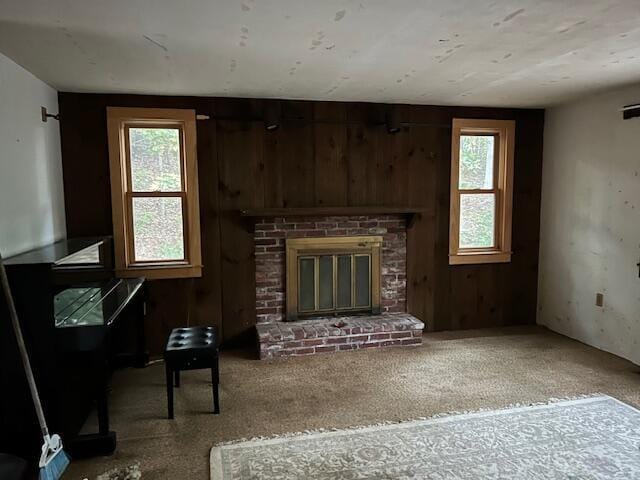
(631, 111)
(46, 115)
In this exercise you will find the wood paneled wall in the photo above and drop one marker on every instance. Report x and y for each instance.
(330, 154)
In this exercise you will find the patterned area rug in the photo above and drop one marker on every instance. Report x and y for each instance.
(590, 438)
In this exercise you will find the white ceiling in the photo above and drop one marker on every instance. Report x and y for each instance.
(462, 52)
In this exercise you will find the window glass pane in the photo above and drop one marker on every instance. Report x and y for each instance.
(158, 228)
(344, 281)
(476, 161)
(155, 159)
(477, 220)
(306, 284)
(325, 289)
(362, 281)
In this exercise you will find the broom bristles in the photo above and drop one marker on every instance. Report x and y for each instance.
(54, 469)
(55, 465)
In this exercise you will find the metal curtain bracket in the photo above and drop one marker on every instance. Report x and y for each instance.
(46, 115)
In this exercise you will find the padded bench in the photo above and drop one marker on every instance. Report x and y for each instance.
(191, 348)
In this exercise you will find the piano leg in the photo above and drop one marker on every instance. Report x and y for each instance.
(177, 375)
(142, 354)
(169, 375)
(103, 442)
(102, 405)
(132, 325)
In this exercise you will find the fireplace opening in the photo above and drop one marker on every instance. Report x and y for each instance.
(333, 276)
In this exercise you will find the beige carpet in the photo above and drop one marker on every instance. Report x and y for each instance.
(451, 371)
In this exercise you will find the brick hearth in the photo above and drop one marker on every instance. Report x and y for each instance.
(321, 335)
(318, 335)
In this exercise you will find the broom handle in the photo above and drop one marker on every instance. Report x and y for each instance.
(23, 349)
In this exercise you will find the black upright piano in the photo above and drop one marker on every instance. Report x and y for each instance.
(79, 324)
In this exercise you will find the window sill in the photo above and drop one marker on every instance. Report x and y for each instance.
(479, 258)
(161, 272)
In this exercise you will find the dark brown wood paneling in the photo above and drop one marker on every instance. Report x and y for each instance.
(241, 185)
(298, 164)
(323, 154)
(331, 174)
(423, 155)
(86, 166)
(207, 295)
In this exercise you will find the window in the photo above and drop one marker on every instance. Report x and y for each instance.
(481, 191)
(154, 192)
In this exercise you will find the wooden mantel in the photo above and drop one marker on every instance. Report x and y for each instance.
(410, 212)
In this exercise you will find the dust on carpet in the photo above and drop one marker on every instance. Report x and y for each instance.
(129, 472)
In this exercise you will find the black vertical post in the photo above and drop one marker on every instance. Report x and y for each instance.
(215, 382)
(169, 375)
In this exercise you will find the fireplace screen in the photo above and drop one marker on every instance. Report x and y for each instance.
(333, 275)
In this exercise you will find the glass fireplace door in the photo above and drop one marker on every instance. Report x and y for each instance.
(332, 283)
(333, 275)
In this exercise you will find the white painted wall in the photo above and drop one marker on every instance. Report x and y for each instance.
(31, 192)
(590, 225)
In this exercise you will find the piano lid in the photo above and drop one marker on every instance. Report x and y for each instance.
(65, 252)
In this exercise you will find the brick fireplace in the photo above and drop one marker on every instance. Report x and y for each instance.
(386, 325)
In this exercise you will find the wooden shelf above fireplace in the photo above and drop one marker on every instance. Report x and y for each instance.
(411, 212)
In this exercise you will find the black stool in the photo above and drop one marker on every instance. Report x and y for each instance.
(191, 348)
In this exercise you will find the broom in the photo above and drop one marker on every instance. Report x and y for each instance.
(53, 460)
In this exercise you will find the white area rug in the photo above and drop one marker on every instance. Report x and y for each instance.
(589, 438)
